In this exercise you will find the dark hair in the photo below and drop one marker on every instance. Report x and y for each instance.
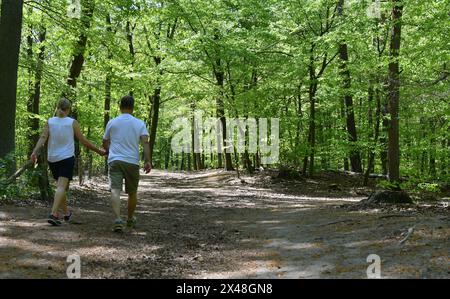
(127, 102)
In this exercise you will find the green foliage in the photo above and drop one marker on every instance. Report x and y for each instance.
(21, 188)
(387, 185)
(429, 187)
(264, 49)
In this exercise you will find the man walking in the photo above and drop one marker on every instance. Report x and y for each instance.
(121, 139)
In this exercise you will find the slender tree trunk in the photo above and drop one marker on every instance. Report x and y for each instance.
(196, 157)
(167, 157)
(312, 127)
(156, 99)
(33, 108)
(107, 104)
(194, 154)
(221, 115)
(10, 35)
(355, 158)
(370, 99)
(371, 159)
(88, 166)
(312, 114)
(344, 129)
(299, 127)
(35, 89)
(107, 109)
(432, 169)
(129, 31)
(383, 140)
(76, 67)
(394, 93)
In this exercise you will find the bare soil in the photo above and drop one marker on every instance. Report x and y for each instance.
(213, 225)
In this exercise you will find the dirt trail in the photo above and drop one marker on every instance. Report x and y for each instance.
(211, 225)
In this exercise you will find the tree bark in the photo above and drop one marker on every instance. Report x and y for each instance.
(129, 32)
(33, 108)
(107, 104)
(220, 110)
(76, 67)
(355, 158)
(312, 115)
(156, 99)
(371, 158)
(10, 36)
(394, 93)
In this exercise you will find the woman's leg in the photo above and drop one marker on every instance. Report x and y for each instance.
(60, 194)
(64, 206)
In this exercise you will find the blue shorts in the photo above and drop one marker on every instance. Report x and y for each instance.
(63, 168)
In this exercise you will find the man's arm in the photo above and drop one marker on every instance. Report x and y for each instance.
(84, 140)
(40, 143)
(106, 144)
(147, 155)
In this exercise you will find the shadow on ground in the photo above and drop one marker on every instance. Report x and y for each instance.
(211, 225)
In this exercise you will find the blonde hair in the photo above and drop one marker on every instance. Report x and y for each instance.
(63, 105)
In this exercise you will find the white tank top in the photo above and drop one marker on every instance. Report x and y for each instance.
(61, 139)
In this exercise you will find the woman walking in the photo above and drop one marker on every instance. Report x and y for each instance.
(60, 131)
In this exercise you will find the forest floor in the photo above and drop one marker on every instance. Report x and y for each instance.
(212, 225)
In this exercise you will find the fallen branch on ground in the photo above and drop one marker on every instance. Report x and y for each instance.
(19, 172)
(395, 215)
(336, 222)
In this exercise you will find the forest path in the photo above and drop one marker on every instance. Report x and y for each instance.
(211, 225)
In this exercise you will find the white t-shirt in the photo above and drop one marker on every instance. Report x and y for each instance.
(61, 139)
(124, 133)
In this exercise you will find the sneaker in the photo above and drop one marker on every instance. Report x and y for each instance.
(131, 222)
(118, 226)
(53, 220)
(68, 218)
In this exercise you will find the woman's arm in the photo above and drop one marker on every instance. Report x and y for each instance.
(40, 143)
(84, 140)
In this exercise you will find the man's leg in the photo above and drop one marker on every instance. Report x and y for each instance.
(132, 201)
(131, 186)
(60, 194)
(115, 202)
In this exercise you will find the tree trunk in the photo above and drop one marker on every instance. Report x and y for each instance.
(35, 89)
(10, 35)
(107, 108)
(432, 169)
(76, 67)
(33, 108)
(156, 99)
(370, 99)
(299, 126)
(220, 110)
(383, 140)
(246, 157)
(312, 127)
(107, 104)
(312, 115)
(371, 158)
(394, 93)
(355, 158)
(129, 32)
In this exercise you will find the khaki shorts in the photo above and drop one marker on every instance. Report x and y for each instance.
(119, 170)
